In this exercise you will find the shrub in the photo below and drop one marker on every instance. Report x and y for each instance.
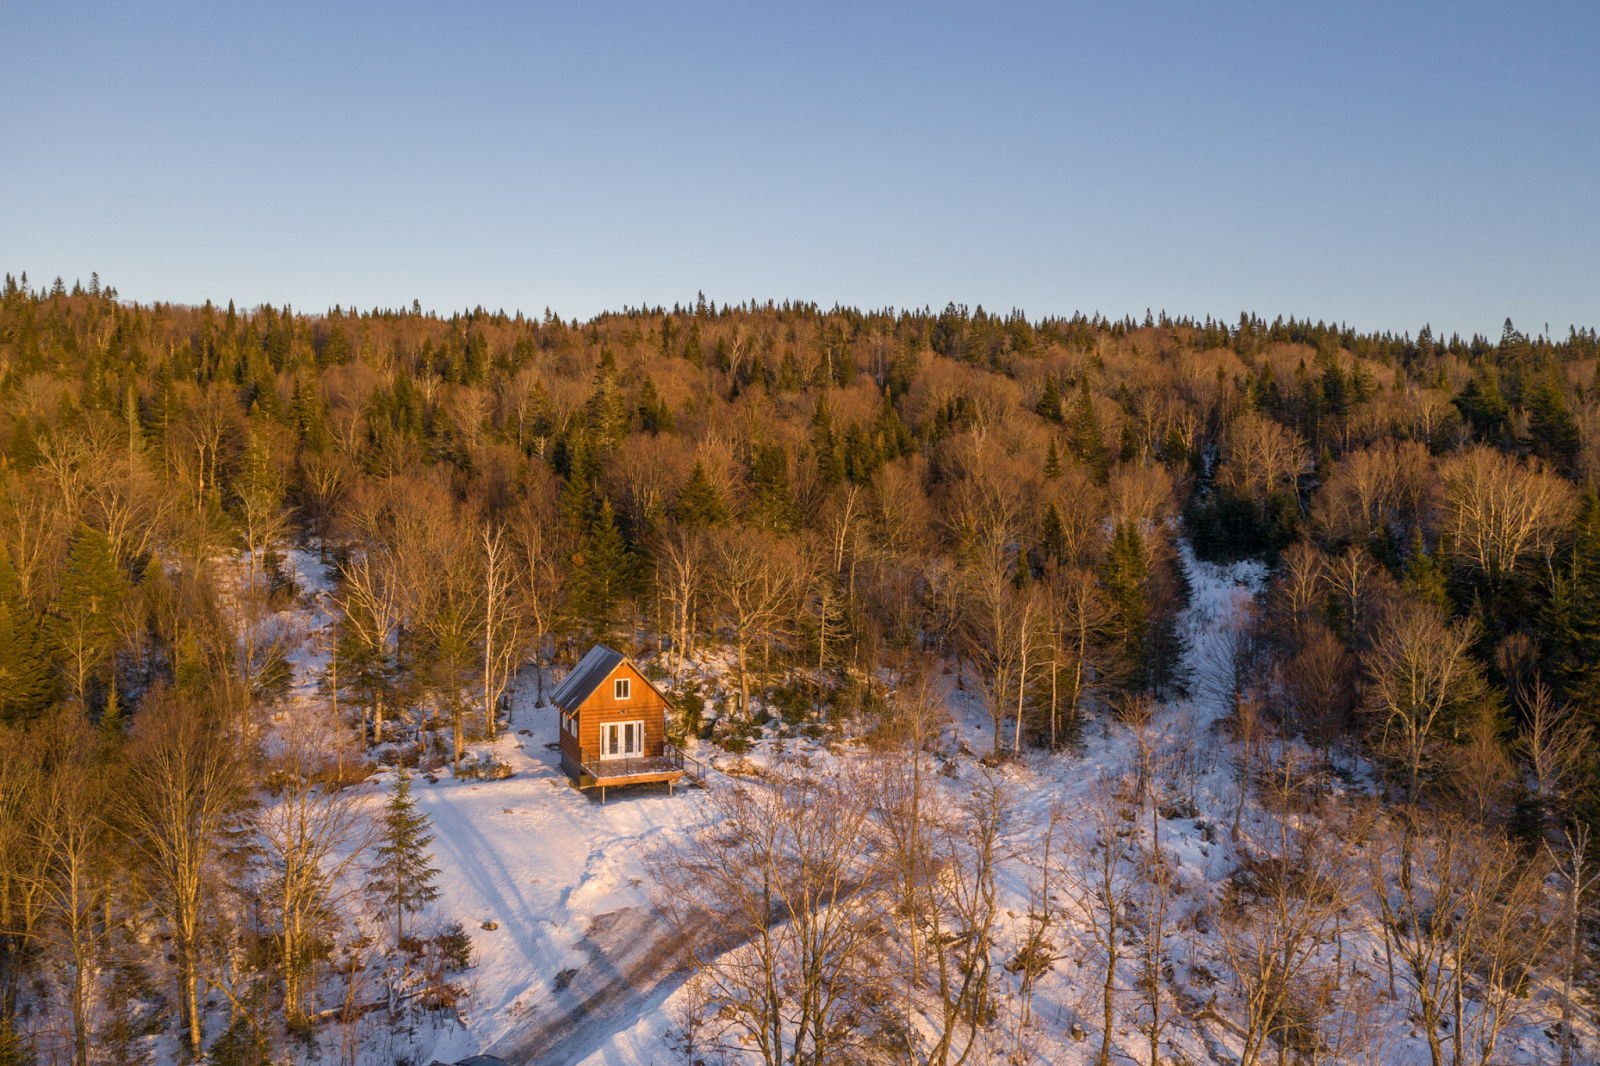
(455, 947)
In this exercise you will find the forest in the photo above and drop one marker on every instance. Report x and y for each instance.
(809, 525)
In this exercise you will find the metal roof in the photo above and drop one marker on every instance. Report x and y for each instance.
(577, 686)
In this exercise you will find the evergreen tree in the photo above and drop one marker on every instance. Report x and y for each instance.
(654, 414)
(1129, 451)
(1264, 392)
(83, 625)
(771, 505)
(692, 350)
(1123, 575)
(1049, 405)
(830, 457)
(363, 664)
(1084, 438)
(700, 504)
(400, 881)
(577, 496)
(890, 435)
(1052, 536)
(1425, 575)
(305, 414)
(602, 576)
(861, 459)
(1554, 433)
(1052, 461)
(26, 684)
(1572, 616)
(607, 408)
(14, 1049)
(23, 450)
(1481, 404)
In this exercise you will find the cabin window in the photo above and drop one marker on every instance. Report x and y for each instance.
(622, 688)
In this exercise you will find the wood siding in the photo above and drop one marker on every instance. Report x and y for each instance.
(642, 705)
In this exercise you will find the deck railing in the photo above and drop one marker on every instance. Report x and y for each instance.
(671, 759)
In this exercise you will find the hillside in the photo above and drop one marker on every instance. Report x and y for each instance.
(1231, 680)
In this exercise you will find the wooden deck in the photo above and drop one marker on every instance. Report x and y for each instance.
(667, 767)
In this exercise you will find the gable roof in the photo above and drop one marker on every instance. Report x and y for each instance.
(591, 670)
(590, 674)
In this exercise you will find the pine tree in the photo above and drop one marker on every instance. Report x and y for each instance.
(26, 684)
(305, 414)
(692, 350)
(400, 880)
(700, 504)
(861, 459)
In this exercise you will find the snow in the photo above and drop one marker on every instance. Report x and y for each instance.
(577, 972)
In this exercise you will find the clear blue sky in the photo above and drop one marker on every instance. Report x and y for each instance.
(1384, 164)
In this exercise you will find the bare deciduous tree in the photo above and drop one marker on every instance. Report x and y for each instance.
(1420, 671)
(187, 792)
(1098, 877)
(1500, 511)
(777, 901)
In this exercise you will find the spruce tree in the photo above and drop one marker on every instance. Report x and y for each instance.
(1572, 616)
(26, 684)
(1053, 536)
(1049, 405)
(830, 456)
(700, 504)
(577, 496)
(400, 881)
(23, 450)
(1552, 428)
(602, 576)
(654, 414)
(1425, 576)
(1481, 404)
(1123, 575)
(14, 1049)
(1052, 461)
(892, 437)
(607, 408)
(772, 505)
(1084, 440)
(83, 625)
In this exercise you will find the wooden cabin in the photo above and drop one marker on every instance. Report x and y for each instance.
(613, 724)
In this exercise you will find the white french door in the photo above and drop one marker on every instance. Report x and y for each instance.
(621, 740)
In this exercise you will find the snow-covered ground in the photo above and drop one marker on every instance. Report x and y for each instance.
(577, 970)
